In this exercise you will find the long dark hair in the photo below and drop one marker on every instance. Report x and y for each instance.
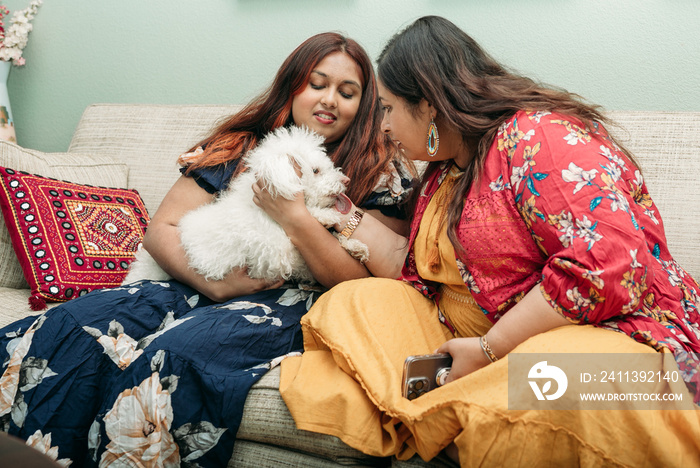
(433, 59)
(363, 153)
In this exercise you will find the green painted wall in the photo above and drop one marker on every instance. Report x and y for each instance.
(622, 54)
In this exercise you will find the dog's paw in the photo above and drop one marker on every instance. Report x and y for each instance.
(354, 247)
(328, 217)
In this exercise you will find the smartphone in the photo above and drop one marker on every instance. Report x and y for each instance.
(424, 372)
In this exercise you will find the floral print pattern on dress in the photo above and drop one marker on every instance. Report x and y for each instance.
(587, 230)
(152, 373)
(138, 427)
(21, 374)
(42, 443)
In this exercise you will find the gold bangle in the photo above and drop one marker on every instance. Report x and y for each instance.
(352, 223)
(487, 349)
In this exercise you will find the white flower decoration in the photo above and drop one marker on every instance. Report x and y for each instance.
(586, 231)
(16, 35)
(578, 175)
(42, 443)
(120, 347)
(566, 224)
(138, 427)
(518, 175)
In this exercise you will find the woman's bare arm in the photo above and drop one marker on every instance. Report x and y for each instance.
(387, 239)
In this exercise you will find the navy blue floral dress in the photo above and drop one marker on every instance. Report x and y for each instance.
(152, 373)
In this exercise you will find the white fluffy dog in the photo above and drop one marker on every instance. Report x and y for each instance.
(232, 232)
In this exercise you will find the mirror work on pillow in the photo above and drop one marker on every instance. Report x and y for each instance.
(69, 238)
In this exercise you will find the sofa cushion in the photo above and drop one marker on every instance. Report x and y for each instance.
(70, 238)
(15, 305)
(248, 454)
(147, 137)
(666, 147)
(79, 168)
(266, 420)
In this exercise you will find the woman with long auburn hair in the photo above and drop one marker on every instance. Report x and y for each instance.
(534, 244)
(158, 372)
(361, 154)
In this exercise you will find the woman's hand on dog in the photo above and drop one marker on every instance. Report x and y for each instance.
(285, 212)
(328, 261)
(238, 283)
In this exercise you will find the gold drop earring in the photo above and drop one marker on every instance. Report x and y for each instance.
(433, 139)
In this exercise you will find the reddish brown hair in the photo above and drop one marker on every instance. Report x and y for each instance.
(363, 153)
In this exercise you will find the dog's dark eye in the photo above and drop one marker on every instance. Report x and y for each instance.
(316, 170)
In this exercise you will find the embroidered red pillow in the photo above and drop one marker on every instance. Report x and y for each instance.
(69, 238)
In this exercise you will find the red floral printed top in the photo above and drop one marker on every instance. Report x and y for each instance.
(561, 206)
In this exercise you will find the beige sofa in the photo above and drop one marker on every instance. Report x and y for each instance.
(136, 146)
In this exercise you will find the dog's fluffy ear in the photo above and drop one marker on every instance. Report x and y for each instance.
(307, 148)
(274, 167)
(278, 176)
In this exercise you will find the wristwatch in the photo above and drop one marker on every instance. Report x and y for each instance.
(352, 223)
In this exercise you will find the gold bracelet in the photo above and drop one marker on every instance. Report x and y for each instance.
(352, 223)
(487, 349)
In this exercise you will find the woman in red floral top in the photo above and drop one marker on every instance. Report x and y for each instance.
(533, 232)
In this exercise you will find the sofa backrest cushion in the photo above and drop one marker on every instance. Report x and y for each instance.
(79, 168)
(148, 138)
(667, 146)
